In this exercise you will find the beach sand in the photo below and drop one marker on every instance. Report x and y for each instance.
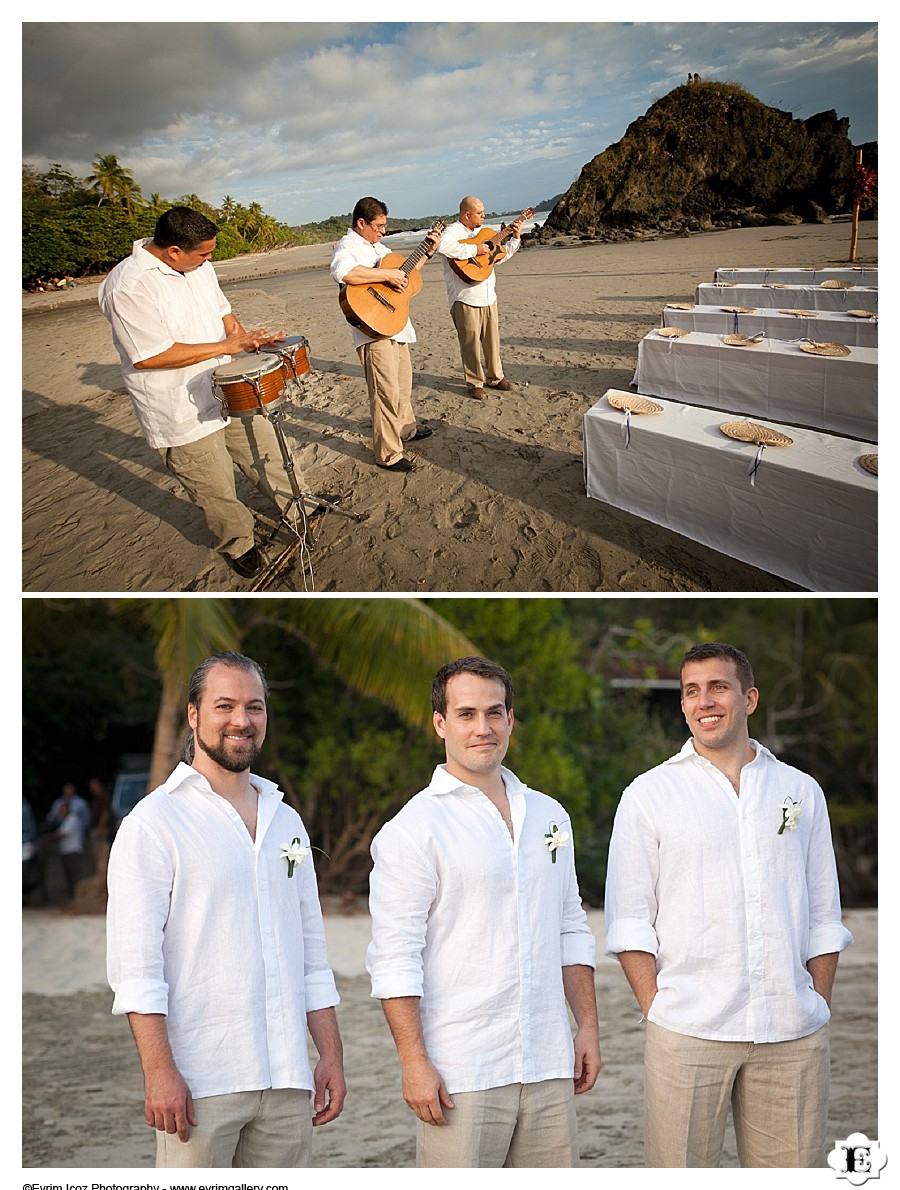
(82, 1089)
(498, 503)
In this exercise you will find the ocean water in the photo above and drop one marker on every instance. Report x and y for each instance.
(409, 239)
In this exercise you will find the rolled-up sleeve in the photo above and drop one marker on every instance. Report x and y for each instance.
(402, 888)
(319, 988)
(827, 934)
(140, 885)
(578, 947)
(630, 904)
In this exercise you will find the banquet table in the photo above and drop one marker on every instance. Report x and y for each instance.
(791, 297)
(810, 516)
(827, 325)
(858, 274)
(774, 380)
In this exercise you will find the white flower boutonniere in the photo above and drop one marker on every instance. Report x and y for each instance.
(790, 816)
(555, 838)
(294, 853)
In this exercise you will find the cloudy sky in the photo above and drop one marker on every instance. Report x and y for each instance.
(305, 118)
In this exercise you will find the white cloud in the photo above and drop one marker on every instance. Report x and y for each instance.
(312, 113)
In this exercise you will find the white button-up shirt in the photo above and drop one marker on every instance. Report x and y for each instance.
(150, 306)
(205, 927)
(477, 293)
(732, 910)
(479, 925)
(350, 251)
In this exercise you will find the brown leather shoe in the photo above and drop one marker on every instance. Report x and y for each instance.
(477, 393)
(402, 464)
(248, 565)
(503, 385)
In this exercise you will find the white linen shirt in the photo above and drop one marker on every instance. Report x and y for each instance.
(205, 927)
(351, 250)
(479, 926)
(700, 878)
(477, 293)
(150, 306)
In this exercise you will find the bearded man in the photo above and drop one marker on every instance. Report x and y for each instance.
(216, 948)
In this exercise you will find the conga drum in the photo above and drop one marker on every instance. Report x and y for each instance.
(250, 384)
(294, 352)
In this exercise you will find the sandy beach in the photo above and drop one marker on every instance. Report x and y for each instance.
(498, 503)
(82, 1090)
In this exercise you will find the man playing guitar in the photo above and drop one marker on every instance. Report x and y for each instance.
(385, 359)
(473, 304)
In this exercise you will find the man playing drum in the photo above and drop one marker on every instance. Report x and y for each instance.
(172, 327)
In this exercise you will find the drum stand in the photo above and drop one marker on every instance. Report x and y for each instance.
(294, 516)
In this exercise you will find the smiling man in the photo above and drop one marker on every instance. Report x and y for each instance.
(172, 327)
(479, 939)
(216, 949)
(722, 907)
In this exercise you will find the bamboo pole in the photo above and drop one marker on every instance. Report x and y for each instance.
(854, 237)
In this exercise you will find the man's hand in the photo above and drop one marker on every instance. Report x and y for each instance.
(587, 1060)
(240, 340)
(330, 1093)
(396, 278)
(424, 1091)
(168, 1106)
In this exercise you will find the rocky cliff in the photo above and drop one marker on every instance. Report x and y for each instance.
(711, 155)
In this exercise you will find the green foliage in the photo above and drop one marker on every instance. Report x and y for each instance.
(77, 227)
(229, 243)
(583, 731)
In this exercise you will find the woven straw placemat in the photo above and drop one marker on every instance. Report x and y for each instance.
(831, 284)
(737, 309)
(774, 285)
(814, 348)
(752, 431)
(679, 305)
(862, 313)
(741, 340)
(635, 403)
(673, 332)
(801, 313)
(869, 463)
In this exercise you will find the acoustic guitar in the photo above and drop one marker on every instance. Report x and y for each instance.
(477, 268)
(375, 307)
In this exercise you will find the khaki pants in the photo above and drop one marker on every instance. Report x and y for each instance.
(778, 1093)
(388, 370)
(523, 1125)
(206, 469)
(478, 330)
(249, 1129)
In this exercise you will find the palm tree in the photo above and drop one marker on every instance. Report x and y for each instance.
(387, 649)
(111, 179)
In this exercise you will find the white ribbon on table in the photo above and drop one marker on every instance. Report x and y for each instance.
(754, 466)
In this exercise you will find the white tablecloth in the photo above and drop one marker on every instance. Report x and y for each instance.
(828, 325)
(774, 380)
(859, 275)
(811, 516)
(791, 297)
